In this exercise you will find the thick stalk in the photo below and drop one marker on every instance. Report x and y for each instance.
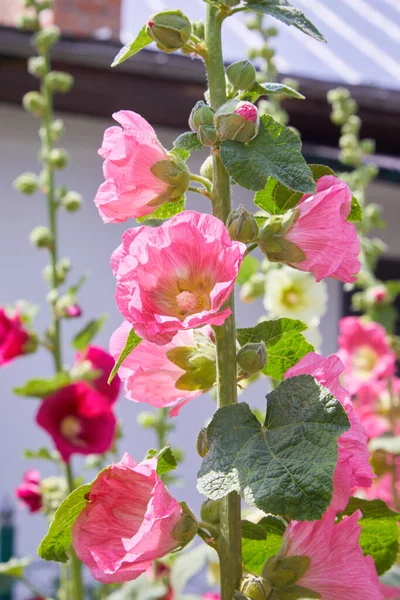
(229, 540)
(76, 565)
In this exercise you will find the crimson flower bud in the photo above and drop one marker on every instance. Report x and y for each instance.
(242, 226)
(170, 29)
(241, 74)
(251, 359)
(237, 120)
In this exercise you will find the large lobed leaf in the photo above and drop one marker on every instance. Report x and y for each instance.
(275, 152)
(284, 467)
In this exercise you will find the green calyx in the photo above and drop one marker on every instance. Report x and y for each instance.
(274, 244)
(170, 29)
(251, 359)
(242, 226)
(185, 530)
(255, 588)
(283, 573)
(232, 125)
(198, 361)
(175, 173)
(202, 114)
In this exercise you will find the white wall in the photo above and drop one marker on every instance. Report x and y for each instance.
(88, 243)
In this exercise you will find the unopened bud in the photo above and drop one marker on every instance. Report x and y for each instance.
(251, 359)
(198, 29)
(206, 169)
(27, 23)
(58, 81)
(255, 588)
(56, 129)
(34, 103)
(147, 420)
(202, 443)
(46, 38)
(201, 114)
(37, 66)
(41, 237)
(170, 29)
(253, 288)
(211, 511)
(242, 226)
(377, 294)
(368, 146)
(241, 74)
(237, 120)
(207, 135)
(353, 125)
(27, 183)
(58, 158)
(72, 201)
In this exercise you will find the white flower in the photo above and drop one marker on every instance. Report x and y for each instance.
(295, 294)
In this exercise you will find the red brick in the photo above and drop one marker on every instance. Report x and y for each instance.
(88, 18)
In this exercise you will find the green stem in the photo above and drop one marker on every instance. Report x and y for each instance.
(162, 427)
(203, 180)
(229, 540)
(76, 565)
(32, 587)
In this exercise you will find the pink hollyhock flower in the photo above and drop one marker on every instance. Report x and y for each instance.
(248, 111)
(211, 596)
(148, 375)
(353, 467)
(130, 188)
(176, 276)
(29, 491)
(338, 567)
(73, 311)
(117, 538)
(101, 361)
(390, 592)
(79, 419)
(365, 352)
(13, 337)
(329, 242)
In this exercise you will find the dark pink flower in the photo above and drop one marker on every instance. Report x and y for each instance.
(103, 362)
(177, 276)
(13, 337)
(79, 419)
(248, 111)
(128, 522)
(29, 491)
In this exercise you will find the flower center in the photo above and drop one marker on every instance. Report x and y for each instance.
(364, 361)
(292, 297)
(70, 428)
(190, 303)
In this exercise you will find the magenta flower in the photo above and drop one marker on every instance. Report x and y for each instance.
(147, 374)
(13, 337)
(128, 522)
(329, 242)
(353, 467)
(79, 420)
(129, 154)
(29, 491)
(177, 276)
(338, 567)
(365, 352)
(101, 361)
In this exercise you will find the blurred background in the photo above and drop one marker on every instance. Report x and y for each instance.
(363, 53)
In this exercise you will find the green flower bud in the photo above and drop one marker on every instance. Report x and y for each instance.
(211, 511)
(207, 135)
(338, 95)
(267, 53)
(27, 183)
(187, 527)
(202, 443)
(237, 120)
(255, 588)
(58, 81)
(242, 226)
(206, 169)
(41, 237)
(170, 29)
(349, 141)
(272, 240)
(338, 116)
(147, 420)
(198, 29)
(253, 53)
(43, 5)
(37, 66)
(201, 114)
(353, 125)
(253, 288)
(272, 32)
(253, 23)
(46, 38)
(72, 201)
(58, 158)
(56, 129)
(241, 74)
(368, 146)
(27, 23)
(251, 359)
(34, 103)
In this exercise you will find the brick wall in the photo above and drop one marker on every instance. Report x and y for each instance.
(89, 18)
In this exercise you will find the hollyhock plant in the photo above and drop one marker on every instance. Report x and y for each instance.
(338, 568)
(119, 539)
(14, 336)
(102, 361)
(131, 189)
(365, 352)
(353, 467)
(79, 419)
(29, 491)
(147, 373)
(177, 276)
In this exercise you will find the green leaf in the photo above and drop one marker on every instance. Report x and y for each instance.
(83, 338)
(132, 341)
(188, 141)
(253, 531)
(356, 212)
(249, 267)
(265, 89)
(40, 388)
(284, 467)
(275, 152)
(288, 14)
(142, 40)
(393, 287)
(58, 539)
(165, 211)
(385, 315)
(15, 567)
(166, 460)
(42, 454)
(257, 551)
(276, 198)
(379, 531)
(284, 341)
